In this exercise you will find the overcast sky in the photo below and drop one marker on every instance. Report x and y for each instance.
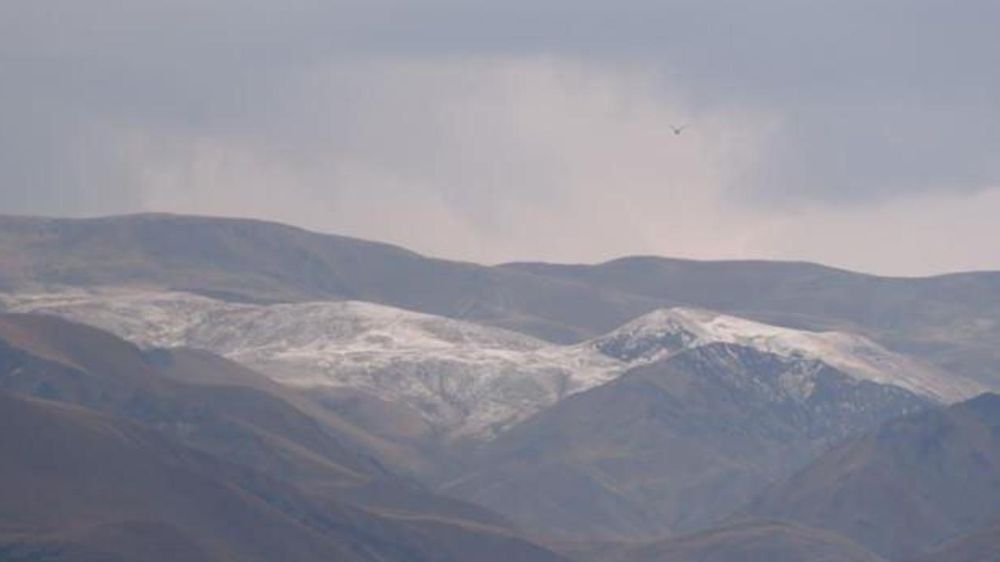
(858, 133)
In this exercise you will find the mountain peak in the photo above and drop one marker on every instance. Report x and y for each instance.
(666, 332)
(698, 326)
(986, 406)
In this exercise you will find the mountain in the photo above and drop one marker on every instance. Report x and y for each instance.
(391, 380)
(909, 485)
(664, 332)
(362, 401)
(979, 546)
(425, 391)
(58, 360)
(633, 399)
(254, 261)
(222, 408)
(672, 446)
(952, 321)
(448, 378)
(759, 541)
(458, 378)
(85, 487)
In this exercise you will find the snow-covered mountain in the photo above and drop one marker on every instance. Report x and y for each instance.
(463, 378)
(666, 332)
(674, 445)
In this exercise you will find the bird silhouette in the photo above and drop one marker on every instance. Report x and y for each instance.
(678, 130)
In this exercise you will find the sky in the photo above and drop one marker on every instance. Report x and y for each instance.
(860, 134)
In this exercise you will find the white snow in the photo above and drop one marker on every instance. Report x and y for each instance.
(465, 379)
(661, 333)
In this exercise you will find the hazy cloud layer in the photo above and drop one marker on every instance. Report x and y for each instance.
(863, 134)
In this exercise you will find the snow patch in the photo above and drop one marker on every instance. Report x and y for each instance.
(665, 332)
(465, 379)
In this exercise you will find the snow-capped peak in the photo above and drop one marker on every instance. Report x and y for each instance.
(665, 332)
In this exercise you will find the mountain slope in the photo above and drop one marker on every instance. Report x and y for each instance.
(445, 378)
(253, 261)
(911, 484)
(664, 332)
(980, 546)
(59, 360)
(763, 541)
(222, 408)
(950, 320)
(463, 379)
(80, 486)
(674, 445)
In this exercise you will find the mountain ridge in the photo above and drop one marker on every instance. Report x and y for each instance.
(952, 321)
(671, 446)
(908, 485)
(78, 485)
(465, 380)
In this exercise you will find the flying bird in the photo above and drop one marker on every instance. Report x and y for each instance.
(678, 130)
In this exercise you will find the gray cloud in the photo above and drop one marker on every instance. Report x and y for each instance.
(517, 128)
